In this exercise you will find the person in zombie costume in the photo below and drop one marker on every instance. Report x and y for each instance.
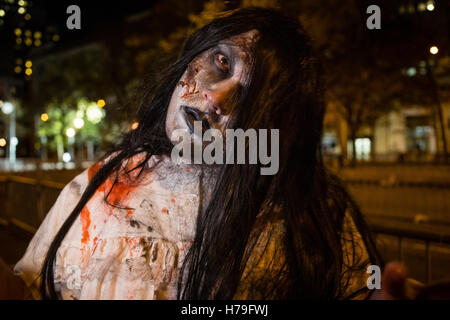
(138, 226)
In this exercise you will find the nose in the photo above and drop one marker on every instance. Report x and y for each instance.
(218, 100)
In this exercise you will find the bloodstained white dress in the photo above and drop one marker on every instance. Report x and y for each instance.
(130, 248)
(133, 246)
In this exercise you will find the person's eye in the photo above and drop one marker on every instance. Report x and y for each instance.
(223, 63)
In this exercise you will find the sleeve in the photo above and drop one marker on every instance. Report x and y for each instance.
(30, 265)
(265, 263)
(268, 259)
(355, 262)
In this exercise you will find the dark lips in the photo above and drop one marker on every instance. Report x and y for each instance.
(193, 114)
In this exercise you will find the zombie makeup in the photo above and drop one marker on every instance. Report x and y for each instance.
(206, 91)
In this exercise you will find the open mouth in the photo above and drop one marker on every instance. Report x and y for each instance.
(192, 114)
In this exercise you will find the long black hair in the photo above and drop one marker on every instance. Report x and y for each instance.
(285, 93)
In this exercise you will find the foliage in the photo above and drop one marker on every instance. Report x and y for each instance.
(61, 118)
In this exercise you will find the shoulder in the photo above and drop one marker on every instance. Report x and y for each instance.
(355, 261)
(266, 258)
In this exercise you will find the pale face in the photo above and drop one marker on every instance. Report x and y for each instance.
(204, 92)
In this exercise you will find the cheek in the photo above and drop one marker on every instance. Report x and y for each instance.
(171, 117)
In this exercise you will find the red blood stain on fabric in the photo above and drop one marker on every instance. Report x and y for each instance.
(164, 210)
(93, 170)
(131, 244)
(129, 213)
(118, 188)
(85, 222)
(95, 245)
(172, 200)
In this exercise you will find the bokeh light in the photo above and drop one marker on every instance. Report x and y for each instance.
(70, 132)
(66, 157)
(7, 107)
(14, 141)
(101, 103)
(434, 50)
(94, 113)
(78, 123)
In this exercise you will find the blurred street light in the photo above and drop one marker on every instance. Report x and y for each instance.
(44, 117)
(434, 50)
(9, 109)
(101, 103)
(411, 71)
(430, 6)
(134, 125)
(70, 132)
(78, 123)
(2, 142)
(66, 157)
(14, 141)
(94, 113)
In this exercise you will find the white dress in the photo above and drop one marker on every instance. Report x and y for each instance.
(131, 248)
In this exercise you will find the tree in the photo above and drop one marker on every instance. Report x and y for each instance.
(53, 131)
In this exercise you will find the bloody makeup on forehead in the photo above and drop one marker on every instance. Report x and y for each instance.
(244, 44)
